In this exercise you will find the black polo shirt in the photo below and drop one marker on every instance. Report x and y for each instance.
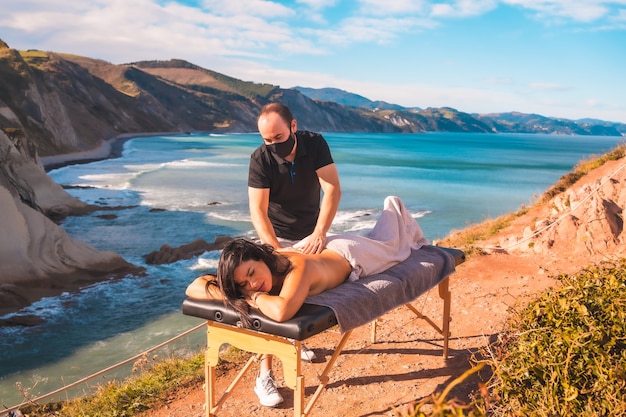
(295, 191)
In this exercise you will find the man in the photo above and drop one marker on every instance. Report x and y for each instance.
(285, 177)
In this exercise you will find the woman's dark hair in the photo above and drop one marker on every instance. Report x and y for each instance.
(234, 254)
(282, 110)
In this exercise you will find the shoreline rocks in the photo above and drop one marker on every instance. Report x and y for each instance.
(167, 254)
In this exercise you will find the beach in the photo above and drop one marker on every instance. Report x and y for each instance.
(108, 148)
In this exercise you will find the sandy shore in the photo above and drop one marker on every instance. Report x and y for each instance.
(109, 148)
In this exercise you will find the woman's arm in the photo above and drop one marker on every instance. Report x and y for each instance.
(204, 288)
(294, 291)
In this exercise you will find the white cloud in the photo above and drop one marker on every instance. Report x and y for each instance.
(373, 30)
(463, 8)
(619, 19)
(318, 4)
(247, 8)
(548, 86)
(578, 10)
(499, 81)
(145, 30)
(442, 10)
(391, 7)
(367, 30)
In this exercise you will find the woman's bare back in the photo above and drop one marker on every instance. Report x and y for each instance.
(325, 270)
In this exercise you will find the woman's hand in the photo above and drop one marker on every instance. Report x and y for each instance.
(252, 298)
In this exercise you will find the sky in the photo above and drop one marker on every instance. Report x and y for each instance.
(557, 58)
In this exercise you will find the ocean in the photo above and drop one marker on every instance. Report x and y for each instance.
(175, 189)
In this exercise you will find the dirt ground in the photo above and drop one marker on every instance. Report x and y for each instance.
(406, 364)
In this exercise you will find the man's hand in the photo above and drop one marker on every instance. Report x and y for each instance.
(312, 244)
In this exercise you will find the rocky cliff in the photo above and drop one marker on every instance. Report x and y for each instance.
(37, 257)
(586, 220)
(583, 221)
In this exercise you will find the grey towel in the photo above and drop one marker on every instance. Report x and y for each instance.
(358, 302)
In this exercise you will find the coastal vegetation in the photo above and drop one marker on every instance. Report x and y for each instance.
(565, 353)
(151, 381)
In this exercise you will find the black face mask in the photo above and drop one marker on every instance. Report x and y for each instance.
(283, 149)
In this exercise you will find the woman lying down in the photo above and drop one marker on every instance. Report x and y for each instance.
(276, 282)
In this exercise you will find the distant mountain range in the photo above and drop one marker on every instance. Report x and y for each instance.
(348, 99)
(498, 122)
(66, 103)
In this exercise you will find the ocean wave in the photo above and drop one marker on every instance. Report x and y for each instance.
(115, 181)
(206, 264)
(231, 216)
(194, 164)
(419, 214)
(362, 220)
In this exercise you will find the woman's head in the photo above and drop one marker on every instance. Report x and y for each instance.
(240, 251)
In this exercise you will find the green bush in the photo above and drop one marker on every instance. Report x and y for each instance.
(565, 354)
(149, 386)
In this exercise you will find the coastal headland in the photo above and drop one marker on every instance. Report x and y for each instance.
(38, 257)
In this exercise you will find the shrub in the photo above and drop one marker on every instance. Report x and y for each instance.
(565, 354)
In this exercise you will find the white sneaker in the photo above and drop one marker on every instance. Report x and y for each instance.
(307, 354)
(265, 389)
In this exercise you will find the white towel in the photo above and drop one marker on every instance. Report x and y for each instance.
(391, 240)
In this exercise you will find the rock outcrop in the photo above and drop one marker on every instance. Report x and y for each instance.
(167, 254)
(587, 220)
(37, 257)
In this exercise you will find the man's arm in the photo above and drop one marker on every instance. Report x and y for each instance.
(329, 181)
(259, 200)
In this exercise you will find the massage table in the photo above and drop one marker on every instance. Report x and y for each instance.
(347, 306)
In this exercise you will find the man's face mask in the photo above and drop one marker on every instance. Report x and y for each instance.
(283, 149)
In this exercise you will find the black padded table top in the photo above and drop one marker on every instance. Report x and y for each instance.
(309, 320)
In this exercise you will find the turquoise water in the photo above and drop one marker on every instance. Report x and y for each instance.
(446, 180)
